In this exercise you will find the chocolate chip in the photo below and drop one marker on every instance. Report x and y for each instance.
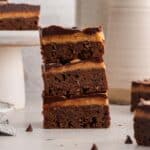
(29, 128)
(128, 140)
(94, 147)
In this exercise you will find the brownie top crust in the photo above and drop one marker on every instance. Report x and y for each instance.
(57, 30)
(12, 7)
(55, 34)
(145, 82)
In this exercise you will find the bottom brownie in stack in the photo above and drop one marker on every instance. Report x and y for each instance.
(85, 112)
(142, 123)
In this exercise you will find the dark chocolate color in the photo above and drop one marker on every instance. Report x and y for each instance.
(29, 128)
(144, 83)
(128, 140)
(57, 30)
(142, 131)
(94, 147)
(64, 53)
(19, 24)
(75, 83)
(93, 116)
(143, 107)
(11, 7)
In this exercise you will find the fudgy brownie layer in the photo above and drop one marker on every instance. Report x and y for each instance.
(75, 83)
(66, 52)
(57, 30)
(136, 96)
(142, 131)
(11, 7)
(19, 24)
(91, 116)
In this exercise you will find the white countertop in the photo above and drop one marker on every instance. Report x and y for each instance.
(77, 139)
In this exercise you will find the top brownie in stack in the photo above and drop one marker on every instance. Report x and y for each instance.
(139, 89)
(58, 47)
(19, 17)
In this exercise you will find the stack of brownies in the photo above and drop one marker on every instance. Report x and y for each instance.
(75, 85)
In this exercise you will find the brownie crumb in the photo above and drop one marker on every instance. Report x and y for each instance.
(29, 128)
(94, 147)
(128, 140)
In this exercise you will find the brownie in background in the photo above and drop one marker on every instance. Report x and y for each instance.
(19, 16)
(139, 89)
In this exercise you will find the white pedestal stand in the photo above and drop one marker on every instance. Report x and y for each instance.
(12, 88)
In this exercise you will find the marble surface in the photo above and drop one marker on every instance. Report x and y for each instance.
(77, 139)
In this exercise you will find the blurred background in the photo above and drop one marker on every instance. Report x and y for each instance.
(126, 26)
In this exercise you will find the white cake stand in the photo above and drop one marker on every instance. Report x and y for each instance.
(12, 88)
